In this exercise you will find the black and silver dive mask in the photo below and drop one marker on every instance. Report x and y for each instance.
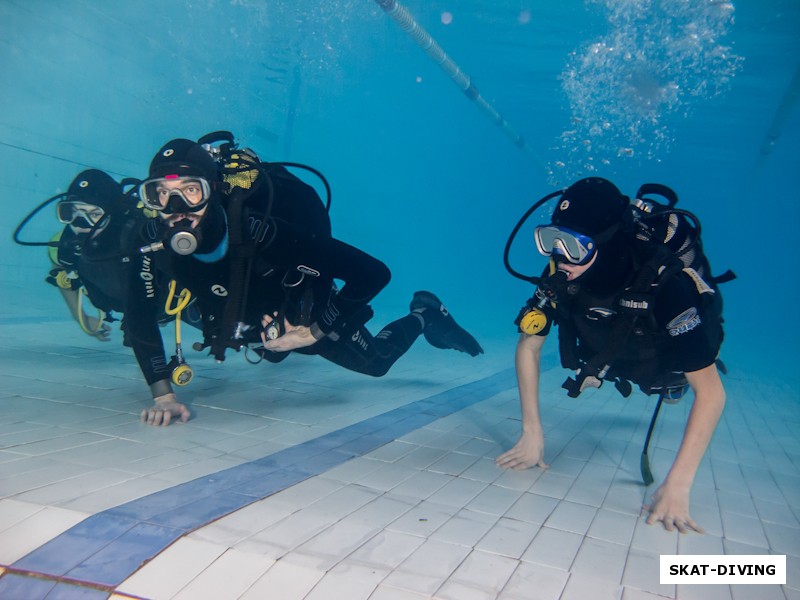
(174, 194)
(79, 214)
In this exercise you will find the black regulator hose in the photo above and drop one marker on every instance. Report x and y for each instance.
(128, 181)
(30, 216)
(315, 172)
(515, 231)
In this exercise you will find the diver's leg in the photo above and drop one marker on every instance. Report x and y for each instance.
(358, 350)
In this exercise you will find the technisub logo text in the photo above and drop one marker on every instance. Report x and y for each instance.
(634, 304)
(147, 276)
(686, 321)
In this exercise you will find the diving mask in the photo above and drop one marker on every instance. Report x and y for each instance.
(174, 194)
(72, 211)
(577, 248)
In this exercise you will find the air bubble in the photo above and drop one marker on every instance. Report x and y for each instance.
(657, 60)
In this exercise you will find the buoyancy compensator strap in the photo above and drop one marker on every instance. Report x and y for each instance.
(241, 253)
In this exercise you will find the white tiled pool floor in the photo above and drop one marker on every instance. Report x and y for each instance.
(331, 500)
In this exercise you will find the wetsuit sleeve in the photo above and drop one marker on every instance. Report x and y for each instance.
(677, 310)
(141, 319)
(363, 275)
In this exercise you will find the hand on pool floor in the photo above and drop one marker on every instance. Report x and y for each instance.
(166, 409)
(527, 452)
(670, 506)
(97, 329)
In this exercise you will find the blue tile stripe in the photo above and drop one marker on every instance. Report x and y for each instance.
(108, 547)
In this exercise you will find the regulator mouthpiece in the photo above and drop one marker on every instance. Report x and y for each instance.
(183, 243)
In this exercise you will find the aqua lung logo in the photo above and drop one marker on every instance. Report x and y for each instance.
(219, 290)
(564, 205)
(329, 315)
(254, 225)
(168, 152)
(147, 276)
(358, 339)
(684, 322)
(83, 184)
(159, 364)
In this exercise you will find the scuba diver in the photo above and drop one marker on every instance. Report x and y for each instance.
(89, 255)
(630, 307)
(252, 243)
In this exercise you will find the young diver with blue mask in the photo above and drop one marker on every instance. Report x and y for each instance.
(261, 262)
(618, 322)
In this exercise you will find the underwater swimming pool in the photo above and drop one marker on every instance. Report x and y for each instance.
(247, 499)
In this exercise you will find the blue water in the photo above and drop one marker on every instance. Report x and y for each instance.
(682, 93)
(700, 95)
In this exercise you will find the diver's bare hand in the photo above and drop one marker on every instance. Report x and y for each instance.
(165, 410)
(670, 506)
(527, 452)
(294, 336)
(97, 328)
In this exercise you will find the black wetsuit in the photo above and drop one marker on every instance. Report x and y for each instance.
(99, 264)
(682, 333)
(292, 264)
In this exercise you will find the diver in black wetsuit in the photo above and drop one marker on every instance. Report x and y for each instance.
(634, 312)
(90, 259)
(261, 262)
